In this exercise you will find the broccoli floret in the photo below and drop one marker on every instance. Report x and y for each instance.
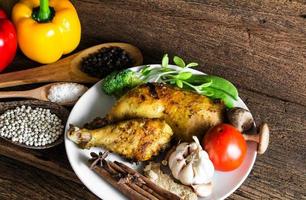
(117, 82)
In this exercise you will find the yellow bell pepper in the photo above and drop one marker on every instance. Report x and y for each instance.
(46, 30)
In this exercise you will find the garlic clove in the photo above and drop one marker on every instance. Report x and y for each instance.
(193, 147)
(179, 153)
(196, 140)
(203, 190)
(182, 147)
(203, 154)
(172, 159)
(204, 171)
(176, 155)
(177, 167)
(186, 175)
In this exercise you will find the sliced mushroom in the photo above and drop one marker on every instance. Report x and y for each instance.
(240, 118)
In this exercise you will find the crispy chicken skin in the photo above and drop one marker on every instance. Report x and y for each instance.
(186, 112)
(136, 139)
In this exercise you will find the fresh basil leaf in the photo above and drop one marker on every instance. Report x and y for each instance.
(193, 64)
(179, 83)
(217, 83)
(179, 61)
(165, 61)
(184, 75)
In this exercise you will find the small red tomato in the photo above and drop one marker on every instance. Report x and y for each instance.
(225, 146)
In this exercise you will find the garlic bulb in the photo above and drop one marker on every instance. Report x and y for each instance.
(190, 164)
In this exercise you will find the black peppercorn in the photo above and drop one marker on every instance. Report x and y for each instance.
(105, 61)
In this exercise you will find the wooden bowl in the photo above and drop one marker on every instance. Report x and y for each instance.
(56, 109)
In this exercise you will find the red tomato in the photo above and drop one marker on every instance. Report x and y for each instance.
(225, 146)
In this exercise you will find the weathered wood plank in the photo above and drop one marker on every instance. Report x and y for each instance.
(19, 181)
(52, 160)
(259, 45)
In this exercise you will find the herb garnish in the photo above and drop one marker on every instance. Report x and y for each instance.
(213, 87)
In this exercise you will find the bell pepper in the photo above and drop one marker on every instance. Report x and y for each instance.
(8, 41)
(46, 30)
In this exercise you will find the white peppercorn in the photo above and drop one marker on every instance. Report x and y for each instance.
(30, 126)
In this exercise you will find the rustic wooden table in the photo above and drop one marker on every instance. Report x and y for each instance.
(258, 45)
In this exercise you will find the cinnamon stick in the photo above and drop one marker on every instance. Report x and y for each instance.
(111, 169)
(162, 192)
(124, 188)
(142, 191)
(127, 180)
(141, 188)
(153, 192)
(133, 185)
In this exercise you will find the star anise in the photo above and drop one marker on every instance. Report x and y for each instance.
(97, 159)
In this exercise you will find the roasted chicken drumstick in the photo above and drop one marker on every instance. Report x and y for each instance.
(136, 139)
(186, 112)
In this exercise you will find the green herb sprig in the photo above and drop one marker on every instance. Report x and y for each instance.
(212, 86)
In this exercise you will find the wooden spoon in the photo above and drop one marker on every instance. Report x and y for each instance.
(40, 93)
(66, 69)
(56, 109)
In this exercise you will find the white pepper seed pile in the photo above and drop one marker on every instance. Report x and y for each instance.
(30, 126)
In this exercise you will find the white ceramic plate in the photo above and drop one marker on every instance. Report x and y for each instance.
(95, 103)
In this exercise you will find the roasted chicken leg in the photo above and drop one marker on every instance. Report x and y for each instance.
(136, 139)
(186, 112)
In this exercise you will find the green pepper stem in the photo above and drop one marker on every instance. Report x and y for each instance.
(44, 10)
